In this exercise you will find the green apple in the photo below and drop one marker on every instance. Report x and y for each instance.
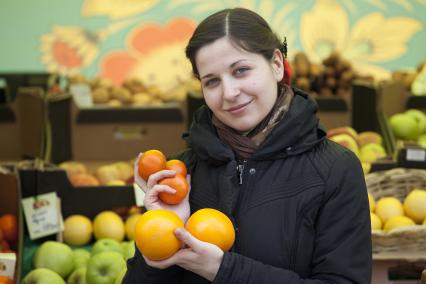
(420, 118)
(78, 276)
(55, 256)
(80, 258)
(422, 140)
(104, 267)
(128, 249)
(120, 276)
(43, 276)
(404, 126)
(106, 245)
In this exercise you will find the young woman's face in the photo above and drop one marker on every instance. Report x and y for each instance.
(238, 86)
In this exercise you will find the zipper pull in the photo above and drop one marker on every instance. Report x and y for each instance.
(240, 171)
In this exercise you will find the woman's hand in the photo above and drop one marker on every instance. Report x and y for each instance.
(199, 257)
(152, 189)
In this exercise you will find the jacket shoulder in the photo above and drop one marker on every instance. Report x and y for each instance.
(328, 154)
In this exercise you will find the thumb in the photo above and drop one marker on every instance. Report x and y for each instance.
(187, 238)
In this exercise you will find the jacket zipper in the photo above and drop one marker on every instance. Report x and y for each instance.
(240, 170)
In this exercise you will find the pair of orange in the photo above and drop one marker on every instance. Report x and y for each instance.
(153, 161)
(155, 238)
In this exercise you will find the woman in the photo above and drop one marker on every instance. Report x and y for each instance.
(298, 201)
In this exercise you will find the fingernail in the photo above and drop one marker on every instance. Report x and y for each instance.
(179, 231)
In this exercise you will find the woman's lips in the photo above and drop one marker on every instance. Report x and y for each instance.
(239, 108)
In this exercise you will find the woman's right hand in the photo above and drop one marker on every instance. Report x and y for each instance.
(152, 189)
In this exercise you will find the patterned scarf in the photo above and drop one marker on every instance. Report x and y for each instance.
(245, 144)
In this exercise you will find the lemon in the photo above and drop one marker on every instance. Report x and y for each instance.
(415, 205)
(371, 202)
(108, 225)
(130, 225)
(398, 222)
(77, 230)
(388, 207)
(376, 223)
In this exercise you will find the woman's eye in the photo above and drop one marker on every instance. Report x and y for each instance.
(210, 82)
(241, 70)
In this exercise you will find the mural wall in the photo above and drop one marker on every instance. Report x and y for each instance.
(120, 39)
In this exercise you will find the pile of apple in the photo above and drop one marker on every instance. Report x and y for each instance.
(115, 174)
(409, 126)
(366, 145)
(104, 263)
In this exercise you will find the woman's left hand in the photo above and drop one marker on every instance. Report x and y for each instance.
(197, 256)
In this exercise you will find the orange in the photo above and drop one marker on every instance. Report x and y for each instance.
(5, 280)
(178, 166)
(151, 162)
(212, 226)
(154, 234)
(178, 183)
(108, 225)
(9, 226)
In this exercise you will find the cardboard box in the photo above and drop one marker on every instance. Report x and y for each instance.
(9, 131)
(103, 133)
(44, 125)
(10, 204)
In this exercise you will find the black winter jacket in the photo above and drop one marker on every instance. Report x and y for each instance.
(299, 206)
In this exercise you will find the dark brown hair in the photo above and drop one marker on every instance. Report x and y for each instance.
(244, 28)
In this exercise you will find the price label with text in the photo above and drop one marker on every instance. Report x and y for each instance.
(43, 215)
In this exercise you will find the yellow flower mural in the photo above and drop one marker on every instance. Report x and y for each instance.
(372, 39)
(155, 55)
(116, 9)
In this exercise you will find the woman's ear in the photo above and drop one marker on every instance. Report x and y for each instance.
(277, 63)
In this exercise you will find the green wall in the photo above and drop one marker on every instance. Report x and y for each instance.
(23, 23)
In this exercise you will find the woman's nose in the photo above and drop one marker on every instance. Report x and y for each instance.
(230, 89)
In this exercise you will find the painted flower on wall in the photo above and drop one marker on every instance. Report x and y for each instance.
(155, 55)
(373, 38)
(116, 9)
(67, 50)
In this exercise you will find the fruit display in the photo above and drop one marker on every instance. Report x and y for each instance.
(389, 213)
(56, 262)
(133, 92)
(114, 174)
(413, 80)
(409, 126)
(333, 76)
(153, 161)
(367, 145)
(78, 260)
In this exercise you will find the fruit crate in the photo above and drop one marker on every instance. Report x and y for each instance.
(87, 201)
(10, 204)
(9, 143)
(402, 243)
(105, 133)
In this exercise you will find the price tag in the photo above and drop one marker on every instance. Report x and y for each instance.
(417, 155)
(42, 215)
(139, 195)
(7, 264)
(82, 95)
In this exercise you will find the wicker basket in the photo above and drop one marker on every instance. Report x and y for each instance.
(398, 182)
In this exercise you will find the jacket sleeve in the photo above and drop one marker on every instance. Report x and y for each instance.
(342, 251)
(139, 272)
